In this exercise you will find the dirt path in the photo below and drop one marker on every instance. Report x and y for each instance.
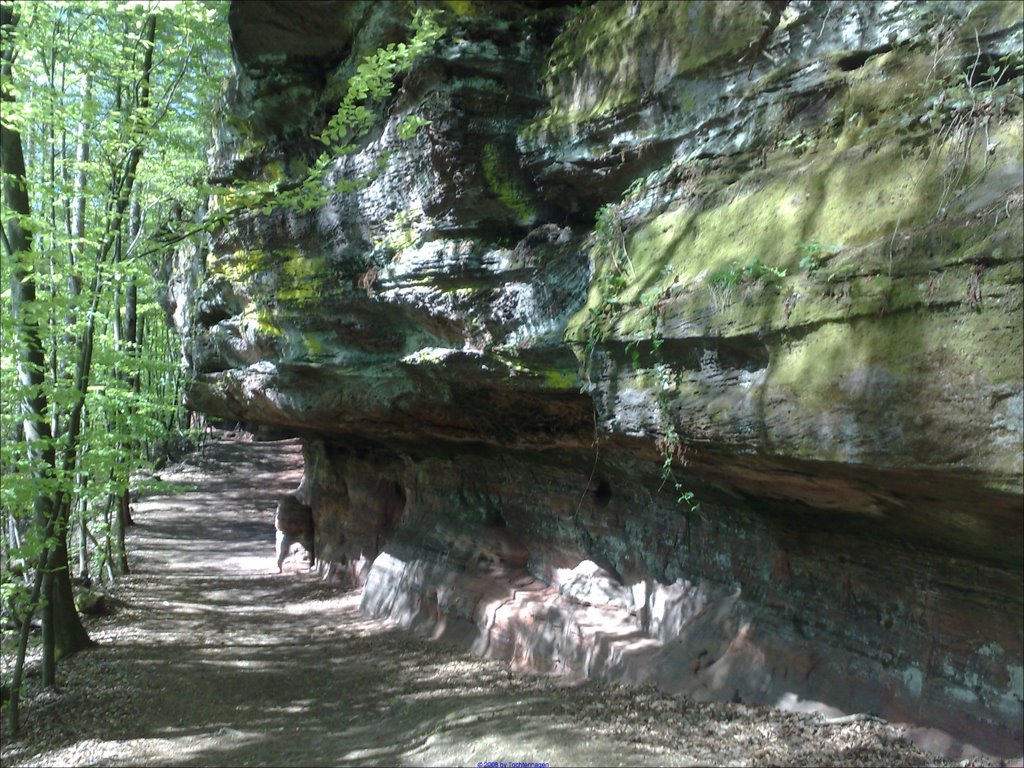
(212, 658)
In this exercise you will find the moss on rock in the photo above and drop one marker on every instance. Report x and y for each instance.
(503, 183)
(849, 199)
(615, 52)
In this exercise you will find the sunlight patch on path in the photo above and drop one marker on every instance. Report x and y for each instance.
(153, 751)
(260, 564)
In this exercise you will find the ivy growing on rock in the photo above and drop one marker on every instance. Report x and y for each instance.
(372, 83)
(614, 270)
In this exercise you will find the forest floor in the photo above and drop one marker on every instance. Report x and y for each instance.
(210, 657)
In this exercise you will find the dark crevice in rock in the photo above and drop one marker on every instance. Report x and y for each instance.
(857, 59)
(989, 70)
(740, 353)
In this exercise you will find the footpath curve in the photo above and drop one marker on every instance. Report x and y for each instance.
(210, 657)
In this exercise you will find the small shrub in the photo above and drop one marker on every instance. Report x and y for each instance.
(734, 275)
(813, 253)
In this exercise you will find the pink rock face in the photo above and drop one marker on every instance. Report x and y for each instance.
(294, 523)
(707, 643)
(293, 516)
(777, 618)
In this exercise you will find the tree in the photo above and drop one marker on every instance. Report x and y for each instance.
(17, 241)
(88, 89)
(104, 113)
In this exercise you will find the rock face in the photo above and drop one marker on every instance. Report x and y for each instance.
(684, 343)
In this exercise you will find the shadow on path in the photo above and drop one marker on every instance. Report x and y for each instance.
(213, 658)
(229, 663)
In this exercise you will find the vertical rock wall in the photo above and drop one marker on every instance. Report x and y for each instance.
(683, 344)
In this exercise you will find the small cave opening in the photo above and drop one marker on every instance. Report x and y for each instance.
(602, 494)
(389, 499)
(858, 58)
(853, 61)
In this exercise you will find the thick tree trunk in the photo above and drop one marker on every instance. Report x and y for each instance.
(31, 356)
(120, 551)
(69, 634)
(48, 663)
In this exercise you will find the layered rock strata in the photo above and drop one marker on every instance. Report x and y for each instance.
(684, 343)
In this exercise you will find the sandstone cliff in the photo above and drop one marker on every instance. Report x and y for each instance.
(684, 344)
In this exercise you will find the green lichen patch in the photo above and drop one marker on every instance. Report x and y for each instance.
(263, 322)
(404, 230)
(954, 346)
(559, 379)
(302, 279)
(920, 91)
(314, 346)
(990, 14)
(239, 266)
(298, 267)
(464, 7)
(833, 197)
(864, 202)
(284, 275)
(615, 52)
(886, 86)
(504, 183)
(280, 171)
(551, 378)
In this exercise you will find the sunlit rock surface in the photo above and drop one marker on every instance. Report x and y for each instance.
(804, 300)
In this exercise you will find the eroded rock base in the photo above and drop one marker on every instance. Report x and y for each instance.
(596, 571)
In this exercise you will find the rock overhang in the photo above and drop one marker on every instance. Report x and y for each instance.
(812, 328)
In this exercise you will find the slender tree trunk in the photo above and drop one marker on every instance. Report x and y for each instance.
(66, 609)
(51, 155)
(31, 356)
(26, 626)
(83, 540)
(131, 293)
(31, 361)
(77, 235)
(131, 339)
(120, 551)
(77, 228)
(69, 634)
(108, 546)
(51, 584)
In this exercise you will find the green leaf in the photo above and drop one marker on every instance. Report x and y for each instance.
(409, 127)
